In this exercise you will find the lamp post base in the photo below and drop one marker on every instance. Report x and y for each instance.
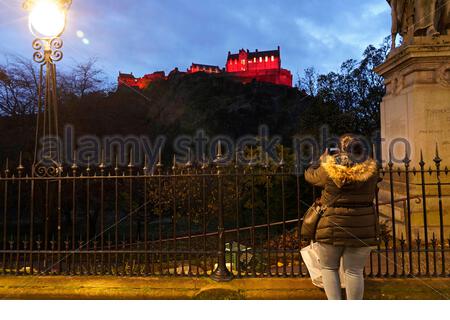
(222, 275)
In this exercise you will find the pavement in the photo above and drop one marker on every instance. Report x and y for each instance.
(130, 288)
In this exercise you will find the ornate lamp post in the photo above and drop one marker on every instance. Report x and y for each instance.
(47, 22)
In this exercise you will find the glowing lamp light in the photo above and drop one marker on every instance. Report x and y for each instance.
(47, 18)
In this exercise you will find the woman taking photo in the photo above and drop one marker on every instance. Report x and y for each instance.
(349, 225)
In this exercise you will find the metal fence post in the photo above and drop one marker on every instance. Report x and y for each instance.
(221, 274)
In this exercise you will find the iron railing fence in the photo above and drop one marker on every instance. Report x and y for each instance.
(205, 220)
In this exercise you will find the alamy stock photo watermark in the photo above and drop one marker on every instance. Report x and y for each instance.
(199, 148)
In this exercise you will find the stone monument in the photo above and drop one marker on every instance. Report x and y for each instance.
(416, 107)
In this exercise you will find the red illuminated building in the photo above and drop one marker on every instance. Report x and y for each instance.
(195, 67)
(261, 66)
(129, 80)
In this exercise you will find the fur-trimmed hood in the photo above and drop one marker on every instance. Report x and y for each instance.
(349, 174)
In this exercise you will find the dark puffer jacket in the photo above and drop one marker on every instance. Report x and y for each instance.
(351, 220)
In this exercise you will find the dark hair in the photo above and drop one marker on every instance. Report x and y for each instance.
(354, 146)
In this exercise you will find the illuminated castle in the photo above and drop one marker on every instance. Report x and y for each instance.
(261, 66)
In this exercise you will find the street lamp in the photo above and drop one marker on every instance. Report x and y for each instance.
(47, 21)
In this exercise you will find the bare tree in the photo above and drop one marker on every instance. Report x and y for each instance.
(18, 86)
(85, 78)
(308, 81)
(19, 83)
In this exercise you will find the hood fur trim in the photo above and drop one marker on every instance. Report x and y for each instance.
(343, 175)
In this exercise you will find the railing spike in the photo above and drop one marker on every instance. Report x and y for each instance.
(266, 162)
(102, 160)
(74, 164)
(406, 160)
(174, 163)
(390, 163)
(219, 149)
(130, 164)
(145, 168)
(7, 166)
(282, 156)
(204, 162)
(88, 169)
(159, 165)
(160, 155)
(20, 167)
(251, 157)
(189, 162)
(422, 162)
(116, 165)
(437, 159)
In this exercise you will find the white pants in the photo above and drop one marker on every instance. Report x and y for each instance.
(353, 259)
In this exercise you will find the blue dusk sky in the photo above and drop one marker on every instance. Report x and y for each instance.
(142, 36)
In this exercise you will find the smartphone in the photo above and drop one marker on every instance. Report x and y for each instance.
(333, 151)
